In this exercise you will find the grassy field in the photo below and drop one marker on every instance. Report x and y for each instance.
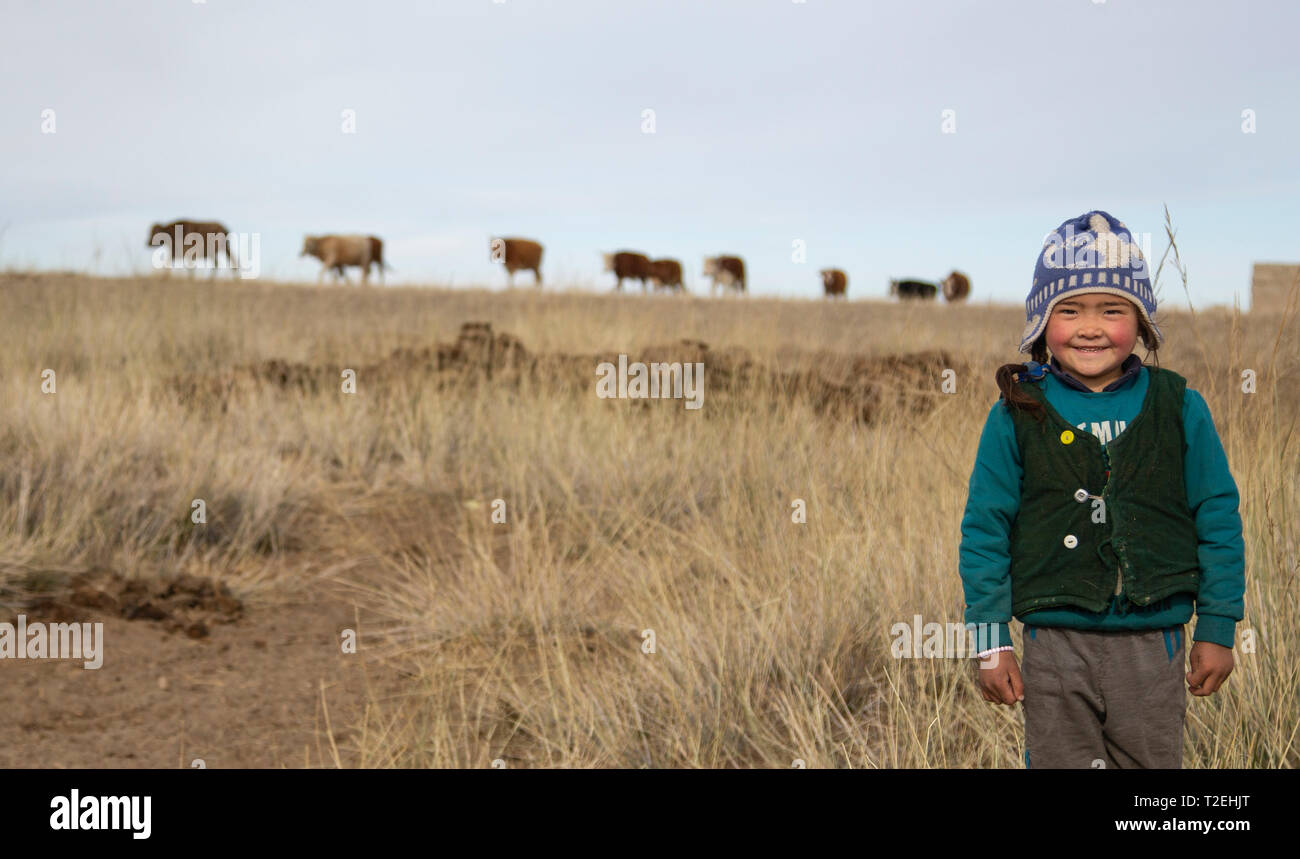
(627, 528)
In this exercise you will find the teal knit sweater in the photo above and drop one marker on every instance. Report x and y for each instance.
(993, 501)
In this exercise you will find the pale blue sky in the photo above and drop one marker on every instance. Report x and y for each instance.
(774, 121)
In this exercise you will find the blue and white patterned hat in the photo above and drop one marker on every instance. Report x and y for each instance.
(1094, 252)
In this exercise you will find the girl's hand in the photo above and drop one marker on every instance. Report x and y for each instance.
(1000, 680)
(1211, 665)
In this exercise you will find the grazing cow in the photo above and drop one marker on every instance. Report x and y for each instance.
(729, 271)
(517, 255)
(918, 289)
(835, 282)
(666, 274)
(335, 252)
(630, 265)
(956, 287)
(205, 240)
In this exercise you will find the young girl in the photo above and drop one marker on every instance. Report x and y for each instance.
(1101, 513)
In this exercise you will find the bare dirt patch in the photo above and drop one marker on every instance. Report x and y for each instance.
(190, 672)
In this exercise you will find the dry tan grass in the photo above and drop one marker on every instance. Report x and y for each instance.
(523, 641)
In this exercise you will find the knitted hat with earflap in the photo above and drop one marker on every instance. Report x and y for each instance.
(1094, 252)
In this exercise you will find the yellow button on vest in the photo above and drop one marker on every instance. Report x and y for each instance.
(1067, 437)
(1071, 541)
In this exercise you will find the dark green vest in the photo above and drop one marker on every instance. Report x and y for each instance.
(1067, 552)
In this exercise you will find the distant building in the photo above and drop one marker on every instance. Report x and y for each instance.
(1270, 282)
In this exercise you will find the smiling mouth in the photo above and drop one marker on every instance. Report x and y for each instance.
(1090, 350)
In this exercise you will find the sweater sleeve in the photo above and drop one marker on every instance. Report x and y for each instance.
(1213, 499)
(992, 502)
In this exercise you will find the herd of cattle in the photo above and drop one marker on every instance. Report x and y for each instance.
(337, 252)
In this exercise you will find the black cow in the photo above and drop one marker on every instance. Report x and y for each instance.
(918, 289)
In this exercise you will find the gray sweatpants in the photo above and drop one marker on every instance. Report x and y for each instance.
(1104, 699)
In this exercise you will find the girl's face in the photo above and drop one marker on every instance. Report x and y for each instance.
(1091, 334)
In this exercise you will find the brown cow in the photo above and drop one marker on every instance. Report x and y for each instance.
(178, 234)
(835, 282)
(956, 287)
(666, 274)
(335, 252)
(376, 259)
(630, 265)
(518, 254)
(729, 271)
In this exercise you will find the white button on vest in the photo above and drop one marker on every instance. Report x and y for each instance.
(1071, 541)
(1081, 495)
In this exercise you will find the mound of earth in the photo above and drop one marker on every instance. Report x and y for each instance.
(186, 604)
(862, 387)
